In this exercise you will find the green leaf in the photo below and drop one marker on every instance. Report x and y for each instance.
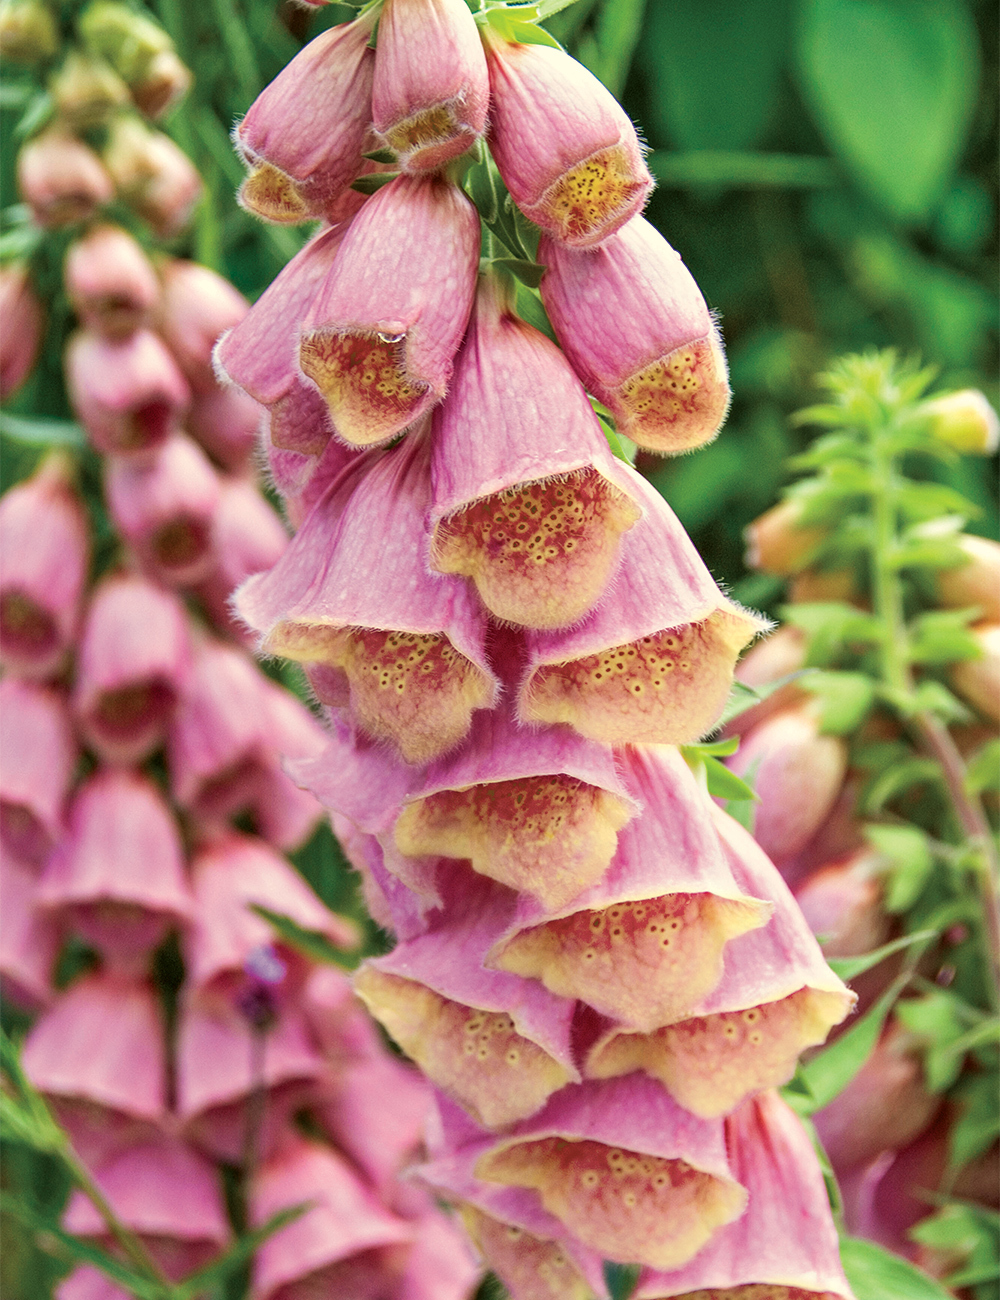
(690, 49)
(943, 637)
(40, 109)
(831, 625)
(742, 697)
(238, 1254)
(845, 699)
(876, 1274)
(892, 84)
(620, 1279)
(983, 770)
(719, 748)
(373, 181)
(936, 1019)
(311, 943)
(381, 155)
(724, 784)
(848, 967)
(515, 25)
(909, 854)
(40, 432)
(529, 273)
(898, 778)
(830, 1071)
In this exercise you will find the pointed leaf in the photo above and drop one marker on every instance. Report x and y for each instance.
(876, 1274)
(848, 967)
(311, 943)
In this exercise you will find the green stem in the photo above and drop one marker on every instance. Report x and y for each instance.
(886, 587)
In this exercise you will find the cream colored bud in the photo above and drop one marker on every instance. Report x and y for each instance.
(964, 420)
(28, 31)
(87, 91)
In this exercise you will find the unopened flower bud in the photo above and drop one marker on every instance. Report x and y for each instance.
(38, 755)
(87, 91)
(978, 680)
(61, 179)
(797, 775)
(198, 306)
(636, 328)
(152, 174)
(842, 902)
(778, 542)
(139, 51)
(431, 87)
(128, 394)
(45, 552)
(565, 147)
(164, 507)
(23, 326)
(976, 582)
(111, 282)
(964, 420)
(822, 585)
(28, 31)
(304, 134)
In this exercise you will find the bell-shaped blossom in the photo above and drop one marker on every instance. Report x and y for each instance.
(99, 1055)
(885, 1107)
(303, 478)
(645, 943)
(779, 542)
(529, 503)
(653, 663)
(776, 997)
(61, 179)
(431, 87)
(24, 325)
(198, 305)
(635, 326)
(565, 147)
(152, 174)
(244, 1066)
(163, 507)
(44, 557)
(978, 680)
(37, 756)
(538, 811)
(127, 393)
(798, 773)
(785, 1245)
(110, 282)
(134, 657)
(304, 134)
(406, 648)
(225, 422)
(496, 1044)
(842, 901)
(167, 1194)
(346, 1243)
(229, 877)
(29, 939)
(976, 582)
(222, 740)
(382, 331)
(622, 1167)
(119, 873)
(248, 537)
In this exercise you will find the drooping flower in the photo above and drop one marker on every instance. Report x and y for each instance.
(565, 148)
(976, 582)
(635, 326)
(978, 680)
(198, 306)
(61, 178)
(24, 324)
(431, 86)
(29, 938)
(38, 755)
(110, 282)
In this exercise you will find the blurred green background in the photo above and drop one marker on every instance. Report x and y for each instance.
(827, 169)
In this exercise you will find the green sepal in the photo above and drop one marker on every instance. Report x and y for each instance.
(518, 25)
(381, 155)
(621, 1279)
(850, 967)
(529, 273)
(942, 636)
(373, 181)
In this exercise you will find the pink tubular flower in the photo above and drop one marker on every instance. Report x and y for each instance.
(169, 1195)
(785, 1245)
(98, 1054)
(529, 503)
(842, 902)
(304, 134)
(61, 179)
(345, 1244)
(44, 557)
(798, 775)
(225, 422)
(164, 507)
(776, 997)
(29, 941)
(24, 325)
(128, 394)
(634, 324)
(247, 538)
(431, 87)
(110, 282)
(134, 656)
(402, 648)
(381, 334)
(38, 755)
(119, 874)
(198, 305)
(565, 148)
(653, 663)
(229, 876)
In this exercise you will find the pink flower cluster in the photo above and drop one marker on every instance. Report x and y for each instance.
(601, 973)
